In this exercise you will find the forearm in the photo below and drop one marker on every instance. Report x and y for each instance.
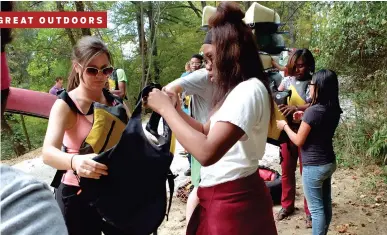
(193, 140)
(277, 66)
(303, 107)
(191, 121)
(117, 93)
(56, 158)
(292, 135)
(174, 87)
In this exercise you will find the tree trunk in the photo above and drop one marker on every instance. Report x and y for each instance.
(292, 29)
(153, 45)
(247, 4)
(69, 33)
(204, 3)
(17, 146)
(141, 40)
(25, 132)
(80, 6)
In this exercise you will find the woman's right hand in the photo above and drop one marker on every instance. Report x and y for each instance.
(86, 167)
(297, 116)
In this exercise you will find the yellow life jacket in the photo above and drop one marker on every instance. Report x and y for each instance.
(109, 123)
(276, 136)
(187, 100)
(299, 92)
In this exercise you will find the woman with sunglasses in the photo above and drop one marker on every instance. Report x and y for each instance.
(301, 67)
(91, 66)
(314, 136)
(233, 198)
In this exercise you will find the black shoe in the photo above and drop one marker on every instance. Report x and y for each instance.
(187, 172)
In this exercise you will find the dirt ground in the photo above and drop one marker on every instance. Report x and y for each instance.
(359, 202)
(358, 209)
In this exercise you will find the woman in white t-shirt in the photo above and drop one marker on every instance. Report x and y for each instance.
(233, 198)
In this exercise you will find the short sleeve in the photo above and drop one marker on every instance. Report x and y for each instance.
(121, 77)
(195, 83)
(245, 106)
(312, 116)
(286, 82)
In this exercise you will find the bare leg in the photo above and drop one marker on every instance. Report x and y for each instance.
(192, 202)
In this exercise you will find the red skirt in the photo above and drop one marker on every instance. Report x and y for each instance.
(239, 207)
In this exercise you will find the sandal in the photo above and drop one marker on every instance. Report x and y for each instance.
(308, 221)
(283, 213)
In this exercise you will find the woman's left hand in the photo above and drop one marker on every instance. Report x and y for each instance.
(158, 101)
(281, 124)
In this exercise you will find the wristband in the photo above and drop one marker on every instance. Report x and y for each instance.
(71, 163)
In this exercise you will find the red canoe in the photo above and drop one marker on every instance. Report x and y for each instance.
(29, 102)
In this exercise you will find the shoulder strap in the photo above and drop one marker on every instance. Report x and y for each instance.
(66, 98)
(171, 183)
(111, 98)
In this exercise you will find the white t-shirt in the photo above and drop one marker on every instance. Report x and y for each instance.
(201, 88)
(248, 107)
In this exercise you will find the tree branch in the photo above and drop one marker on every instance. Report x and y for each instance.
(197, 11)
(177, 18)
(69, 32)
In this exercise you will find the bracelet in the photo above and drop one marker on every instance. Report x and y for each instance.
(283, 128)
(71, 163)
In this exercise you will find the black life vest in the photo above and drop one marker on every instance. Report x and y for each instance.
(133, 196)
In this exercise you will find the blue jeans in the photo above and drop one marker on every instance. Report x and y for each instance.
(317, 190)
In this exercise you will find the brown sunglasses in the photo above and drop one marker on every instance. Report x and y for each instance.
(92, 71)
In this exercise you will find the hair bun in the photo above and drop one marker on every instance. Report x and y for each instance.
(227, 12)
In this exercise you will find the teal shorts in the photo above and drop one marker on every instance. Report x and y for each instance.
(195, 171)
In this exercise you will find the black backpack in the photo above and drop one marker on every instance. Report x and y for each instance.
(133, 196)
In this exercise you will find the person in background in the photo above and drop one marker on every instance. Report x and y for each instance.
(315, 137)
(27, 205)
(198, 87)
(188, 101)
(117, 83)
(196, 62)
(187, 68)
(282, 65)
(233, 197)
(301, 67)
(57, 87)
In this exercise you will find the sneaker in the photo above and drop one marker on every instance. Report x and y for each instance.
(187, 172)
(308, 221)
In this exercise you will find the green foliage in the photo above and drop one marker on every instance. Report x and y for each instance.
(348, 37)
(378, 148)
(351, 36)
(362, 138)
(36, 128)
